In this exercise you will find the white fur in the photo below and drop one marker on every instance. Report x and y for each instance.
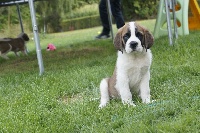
(133, 73)
(104, 92)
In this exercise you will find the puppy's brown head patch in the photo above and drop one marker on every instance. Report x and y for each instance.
(118, 41)
(145, 36)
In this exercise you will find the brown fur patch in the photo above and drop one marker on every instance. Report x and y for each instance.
(118, 41)
(148, 39)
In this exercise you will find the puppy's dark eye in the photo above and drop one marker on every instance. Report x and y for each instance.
(126, 36)
(139, 35)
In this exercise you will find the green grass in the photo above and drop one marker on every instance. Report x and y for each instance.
(66, 97)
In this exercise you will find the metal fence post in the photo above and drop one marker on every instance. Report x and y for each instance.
(36, 37)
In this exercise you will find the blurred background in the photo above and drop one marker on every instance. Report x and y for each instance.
(66, 15)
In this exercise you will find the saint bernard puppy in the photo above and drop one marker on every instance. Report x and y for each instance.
(132, 70)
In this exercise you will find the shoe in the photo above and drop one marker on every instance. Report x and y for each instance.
(102, 36)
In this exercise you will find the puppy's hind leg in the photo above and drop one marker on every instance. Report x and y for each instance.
(104, 93)
(4, 56)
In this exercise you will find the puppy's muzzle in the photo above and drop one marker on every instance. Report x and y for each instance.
(133, 45)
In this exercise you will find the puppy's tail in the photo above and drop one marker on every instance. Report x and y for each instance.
(104, 92)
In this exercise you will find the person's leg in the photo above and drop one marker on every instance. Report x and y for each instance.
(117, 13)
(104, 17)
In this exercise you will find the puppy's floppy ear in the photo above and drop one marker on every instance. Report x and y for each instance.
(148, 38)
(118, 40)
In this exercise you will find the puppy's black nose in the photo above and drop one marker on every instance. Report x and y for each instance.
(133, 44)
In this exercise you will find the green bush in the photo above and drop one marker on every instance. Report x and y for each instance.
(81, 23)
(139, 9)
(86, 10)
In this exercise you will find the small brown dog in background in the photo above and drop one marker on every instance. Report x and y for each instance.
(13, 44)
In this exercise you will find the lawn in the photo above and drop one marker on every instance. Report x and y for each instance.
(66, 97)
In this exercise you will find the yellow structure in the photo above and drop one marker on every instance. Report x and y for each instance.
(194, 20)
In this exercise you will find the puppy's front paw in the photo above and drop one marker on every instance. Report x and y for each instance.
(128, 102)
(102, 104)
(146, 100)
(132, 104)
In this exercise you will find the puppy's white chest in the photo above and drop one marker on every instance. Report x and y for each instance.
(136, 74)
(134, 68)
